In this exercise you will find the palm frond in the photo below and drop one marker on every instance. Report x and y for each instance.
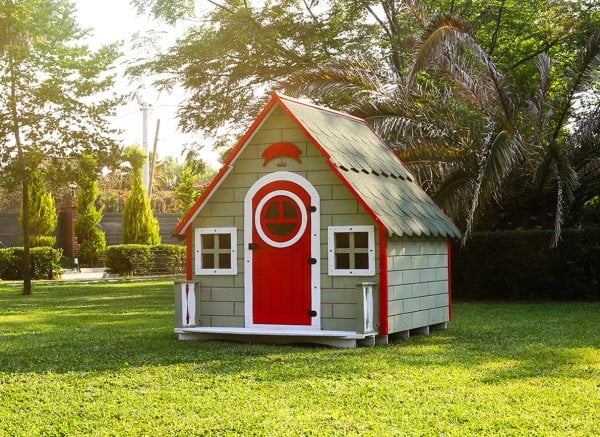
(350, 78)
(582, 79)
(503, 149)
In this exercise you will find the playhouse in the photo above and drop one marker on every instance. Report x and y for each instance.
(313, 231)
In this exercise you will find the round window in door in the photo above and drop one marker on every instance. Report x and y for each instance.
(280, 218)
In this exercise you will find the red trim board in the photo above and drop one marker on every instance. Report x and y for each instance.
(383, 282)
(189, 255)
(450, 278)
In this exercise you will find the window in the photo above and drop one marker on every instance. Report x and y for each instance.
(351, 251)
(216, 250)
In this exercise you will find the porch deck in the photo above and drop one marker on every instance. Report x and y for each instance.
(341, 339)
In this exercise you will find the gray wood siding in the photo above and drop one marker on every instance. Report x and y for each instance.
(221, 298)
(418, 283)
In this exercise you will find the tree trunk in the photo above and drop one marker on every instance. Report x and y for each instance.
(25, 184)
(26, 240)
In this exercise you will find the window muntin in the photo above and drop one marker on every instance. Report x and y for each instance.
(280, 218)
(351, 250)
(216, 250)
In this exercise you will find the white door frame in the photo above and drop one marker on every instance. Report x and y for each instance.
(315, 243)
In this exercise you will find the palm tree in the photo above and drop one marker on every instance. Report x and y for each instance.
(454, 120)
(528, 152)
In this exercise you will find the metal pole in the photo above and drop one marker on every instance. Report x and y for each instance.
(153, 162)
(145, 108)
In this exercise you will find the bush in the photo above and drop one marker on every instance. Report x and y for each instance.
(519, 265)
(169, 258)
(45, 263)
(129, 259)
(42, 241)
(140, 260)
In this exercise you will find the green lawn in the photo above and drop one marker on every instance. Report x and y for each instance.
(89, 359)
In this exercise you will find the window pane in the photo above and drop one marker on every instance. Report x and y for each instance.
(208, 241)
(342, 261)
(361, 240)
(281, 229)
(342, 239)
(224, 241)
(361, 260)
(224, 261)
(208, 261)
(273, 211)
(288, 210)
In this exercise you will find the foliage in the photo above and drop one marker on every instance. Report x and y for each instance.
(187, 192)
(139, 224)
(92, 240)
(141, 260)
(54, 94)
(103, 359)
(169, 259)
(43, 217)
(129, 259)
(490, 104)
(520, 265)
(240, 49)
(591, 211)
(45, 263)
(455, 117)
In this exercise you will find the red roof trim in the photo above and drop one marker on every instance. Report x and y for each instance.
(189, 217)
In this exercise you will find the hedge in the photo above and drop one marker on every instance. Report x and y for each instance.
(142, 260)
(45, 263)
(521, 265)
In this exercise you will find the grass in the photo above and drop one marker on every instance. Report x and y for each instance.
(89, 359)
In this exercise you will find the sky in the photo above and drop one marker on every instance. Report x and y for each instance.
(113, 20)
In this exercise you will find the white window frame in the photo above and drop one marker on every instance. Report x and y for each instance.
(199, 269)
(331, 231)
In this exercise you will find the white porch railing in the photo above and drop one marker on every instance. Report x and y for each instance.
(187, 297)
(365, 307)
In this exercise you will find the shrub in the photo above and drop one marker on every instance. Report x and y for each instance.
(139, 224)
(139, 260)
(91, 239)
(520, 265)
(45, 263)
(43, 217)
(129, 259)
(43, 241)
(170, 258)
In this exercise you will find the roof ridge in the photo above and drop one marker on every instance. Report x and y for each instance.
(320, 108)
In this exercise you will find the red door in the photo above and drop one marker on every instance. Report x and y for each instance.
(281, 255)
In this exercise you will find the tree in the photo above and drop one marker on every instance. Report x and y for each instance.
(452, 85)
(241, 49)
(139, 224)
(43, 217)
(92, 241)
(477, 138)
(187, 192)
(54, 95)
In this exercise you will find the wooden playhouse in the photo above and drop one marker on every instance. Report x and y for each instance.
(313, 231)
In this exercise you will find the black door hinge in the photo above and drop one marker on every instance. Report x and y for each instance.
(252, 246)
(312, 261)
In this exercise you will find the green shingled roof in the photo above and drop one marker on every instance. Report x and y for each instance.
(374, 172)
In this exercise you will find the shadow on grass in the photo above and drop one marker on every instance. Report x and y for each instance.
(95, 328)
